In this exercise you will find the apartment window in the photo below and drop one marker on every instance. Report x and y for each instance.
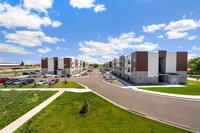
(133, 59)
(129, 61)
(128, 69)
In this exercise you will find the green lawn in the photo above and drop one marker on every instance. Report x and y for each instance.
(62, 116)
(17, 71)
(70, 84)
(192, 88)
(14, 104)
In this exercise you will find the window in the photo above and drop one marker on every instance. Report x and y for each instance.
(133, 59)
(129, 61)
(128, 69)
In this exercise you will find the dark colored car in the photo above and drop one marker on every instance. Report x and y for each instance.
(9, 82)
(69, 75)
(4, 80)
(26, 73)
(54, 81)
(27, 81)
(30, 81)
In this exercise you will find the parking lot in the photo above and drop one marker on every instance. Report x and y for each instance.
(30, 78)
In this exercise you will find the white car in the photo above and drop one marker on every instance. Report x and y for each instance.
(46, 75)
(56, 76)
(42, 81)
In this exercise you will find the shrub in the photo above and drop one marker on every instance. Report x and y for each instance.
(85, 108)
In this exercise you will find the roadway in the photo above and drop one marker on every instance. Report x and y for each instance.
(181, 112)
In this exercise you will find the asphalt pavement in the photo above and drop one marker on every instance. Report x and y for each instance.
(181, 112)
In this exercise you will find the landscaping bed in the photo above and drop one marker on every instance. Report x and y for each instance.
(14, 104)
(192, 88)
(63, 115)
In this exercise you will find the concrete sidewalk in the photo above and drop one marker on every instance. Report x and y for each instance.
(194, 79)
(20, 121)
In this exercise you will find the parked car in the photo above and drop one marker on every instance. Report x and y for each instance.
(56, 76)
(42, 81)
(69, 75)
(85, 74)
(30, 81)
(26, 73)
(89, 70)
(9, 82)
(2, 80)
(62, 75)
(17, 82)
(54, 81)
(33, 73)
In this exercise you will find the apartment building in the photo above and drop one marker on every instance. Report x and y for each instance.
(68, 66)
(142, 67)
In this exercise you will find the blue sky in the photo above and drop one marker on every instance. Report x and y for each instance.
(96, 30)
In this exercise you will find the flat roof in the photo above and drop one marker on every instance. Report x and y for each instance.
(8, 64)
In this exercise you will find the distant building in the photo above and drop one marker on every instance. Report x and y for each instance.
(68, 66)
(143, 67)
(6, 64)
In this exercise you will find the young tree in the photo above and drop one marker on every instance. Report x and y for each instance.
(194, 64)
(22, 63)
(85, 108)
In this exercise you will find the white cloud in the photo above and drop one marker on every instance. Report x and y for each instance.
(192, 55)
(13, 49)
(29, 62)
(56, 24)
(114, 46)
(1, 59)
(39, 5)
(182, 25)
(99, 8)
(82, 3)
(153, 28)
(192, 37)
(16, 16)
(176, 35)
(146, 46)
(45, 50)
(160, 36)
(59, 48)
(88, 58)
(87, 4)
(195, 48)
(30, 38)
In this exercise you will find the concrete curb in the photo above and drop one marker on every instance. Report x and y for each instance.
(143, 115)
